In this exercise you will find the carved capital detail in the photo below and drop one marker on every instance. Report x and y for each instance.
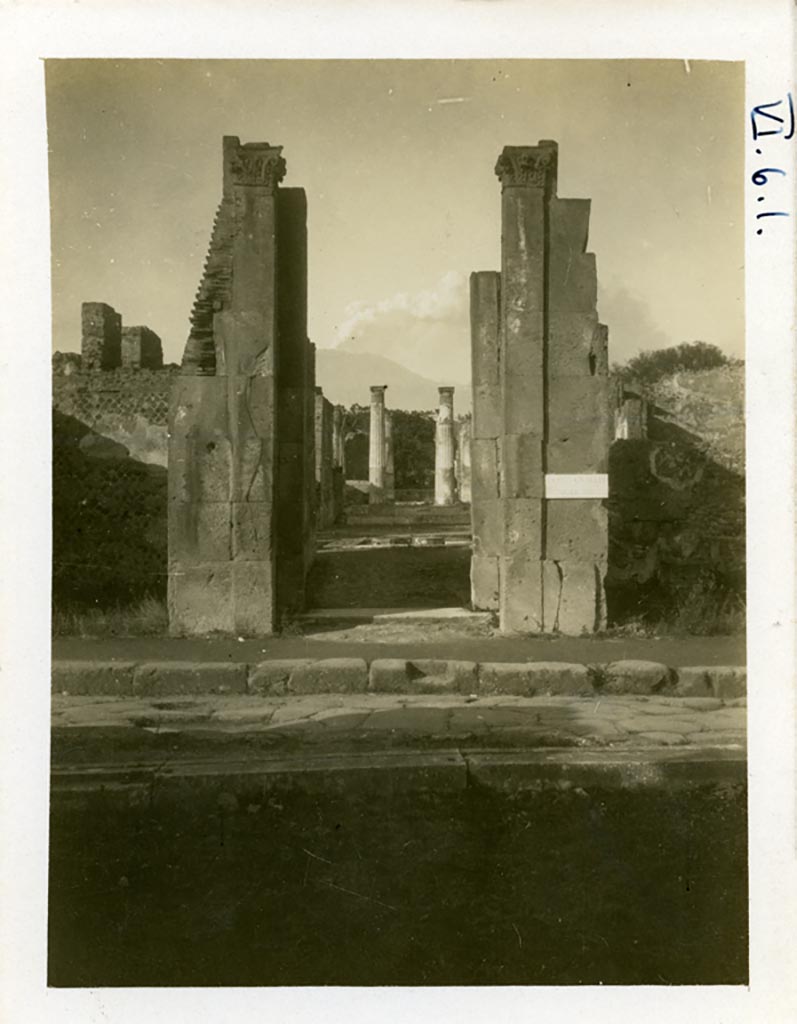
(530, 166)
(263, 166)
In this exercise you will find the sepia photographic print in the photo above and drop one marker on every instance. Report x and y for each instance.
(401, 573)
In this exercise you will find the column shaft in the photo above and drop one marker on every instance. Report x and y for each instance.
(444, 481)
(376, 445)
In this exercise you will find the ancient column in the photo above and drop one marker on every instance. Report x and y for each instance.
(229, 475)
(444, 482)
(462, 460)
(338, 447)
(486, 512)
(376, 445)
(324, 459)
(390, 472)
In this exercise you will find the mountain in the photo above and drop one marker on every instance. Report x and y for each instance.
(346, 378)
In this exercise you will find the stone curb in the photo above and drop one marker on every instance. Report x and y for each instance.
(234, 786)
(284, 677)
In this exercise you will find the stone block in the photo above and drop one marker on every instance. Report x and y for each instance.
(576, 530)
(484, 470)
(521, 466)
(577, 407)
(93, 678)
(485, 297)
(521, 606)
(199, 531)
(487, 521)
(523, 385)
(423, 675)
(639, 677)
(200, 599)
(254, 598)
(272, 678)
(523, 526)
(533, 678)
(252, 477)
(487, 411)
(485, 581)
(251, 526)
(331, 675)
(576, 346)
(161, 678)
(725, 682)
(574, 598)
(523, 217)
(141, 349)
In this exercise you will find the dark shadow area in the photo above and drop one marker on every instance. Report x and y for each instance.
(109, 521)
(400, 577)
(676, 532)
(473, 887)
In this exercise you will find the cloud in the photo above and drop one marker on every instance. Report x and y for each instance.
(632, 329)
(427, 332)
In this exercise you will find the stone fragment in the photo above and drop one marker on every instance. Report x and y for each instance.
(93, 678)
(176, 677)
(639, 677)
(331, 675)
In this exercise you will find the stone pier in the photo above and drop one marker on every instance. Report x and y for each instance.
(376, 445)
(485, 511)
(390, 470)
(338, 441)
(101, 337)
(541, 410)
(141, 349)
(239, 514)
(445, 488)
(324, 476)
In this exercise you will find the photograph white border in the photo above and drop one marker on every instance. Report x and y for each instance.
(760, 34)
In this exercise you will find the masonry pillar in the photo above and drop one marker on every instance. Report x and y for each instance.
(540, 415)
(486, 512)
(444, 482)
(101, 337)
(338, 447)
(390, 472)
(376, 445)
(228, 473)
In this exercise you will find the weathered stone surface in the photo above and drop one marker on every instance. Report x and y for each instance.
(521, 466)
(574, 599)
(721, 681)
(577, 346)
(521, 604)
(101, 341)
(487, 518)
(200, 599)
(576, 530)
(272, 678)
(141, 349)
(527, 680)
(331, 675)
(112, 678)
(484, 471)
(487, 416)
(643, 677)
(485, 581)
(422, 675)
(176, 677)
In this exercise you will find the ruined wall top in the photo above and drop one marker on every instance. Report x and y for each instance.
(529, 166)
(252, 164)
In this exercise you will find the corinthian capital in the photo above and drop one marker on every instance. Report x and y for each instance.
(256, 163)
(529, 166)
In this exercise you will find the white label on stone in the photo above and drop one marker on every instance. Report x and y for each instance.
(576, 485)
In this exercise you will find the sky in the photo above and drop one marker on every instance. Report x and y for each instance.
(397, 160)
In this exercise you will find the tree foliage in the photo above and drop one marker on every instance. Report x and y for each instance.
(649, 367)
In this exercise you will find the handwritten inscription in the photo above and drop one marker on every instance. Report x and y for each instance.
(770, 121)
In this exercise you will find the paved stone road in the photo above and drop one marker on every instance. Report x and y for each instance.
(388, 720)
